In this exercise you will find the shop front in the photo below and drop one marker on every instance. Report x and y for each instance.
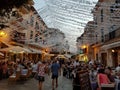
(83, 57)
(113, 53)
(14, 52)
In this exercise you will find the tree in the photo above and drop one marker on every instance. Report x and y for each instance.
(7, 5)
(6, 9)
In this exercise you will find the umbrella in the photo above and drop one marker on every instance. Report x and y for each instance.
(1, 54)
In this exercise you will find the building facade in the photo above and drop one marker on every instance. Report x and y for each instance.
(105, 47)
(106, 26)
(85, 42)
(27, 29)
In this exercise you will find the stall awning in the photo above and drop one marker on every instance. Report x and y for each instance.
(16, 49)
(112, 45)
(68, 55)
(1, 54)
(35, 51)
(61, 56)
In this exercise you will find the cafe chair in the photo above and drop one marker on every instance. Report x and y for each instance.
(14, 77)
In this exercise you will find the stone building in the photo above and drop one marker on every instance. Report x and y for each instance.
(106, 28)
(85, 42)
(27, 29)
(106, 32)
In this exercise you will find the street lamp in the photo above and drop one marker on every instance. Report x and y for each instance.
(2, 34)
(113, 50)
(84, 46)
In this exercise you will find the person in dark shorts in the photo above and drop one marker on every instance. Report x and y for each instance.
(41, 79)
(55, 67)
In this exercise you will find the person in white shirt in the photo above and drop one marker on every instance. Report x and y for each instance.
(118, 69)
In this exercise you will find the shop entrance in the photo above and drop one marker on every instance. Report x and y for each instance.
(115, 58)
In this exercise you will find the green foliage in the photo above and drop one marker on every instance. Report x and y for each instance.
(6, 4)
(6, 7)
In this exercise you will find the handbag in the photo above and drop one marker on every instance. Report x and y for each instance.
(36, 76)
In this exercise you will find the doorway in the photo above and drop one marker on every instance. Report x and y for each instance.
(104, 58)
(115, 59)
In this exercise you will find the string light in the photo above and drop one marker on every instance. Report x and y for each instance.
(90, 25)
(69, 34)
(58, 21)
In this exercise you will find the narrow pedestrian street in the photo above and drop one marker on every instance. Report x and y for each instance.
(41, 39)
(31, 84)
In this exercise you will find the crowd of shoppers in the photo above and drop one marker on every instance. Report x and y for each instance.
(98, 73)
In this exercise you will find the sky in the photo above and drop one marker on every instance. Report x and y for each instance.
(70, 16)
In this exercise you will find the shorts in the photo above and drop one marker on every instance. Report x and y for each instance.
(54, 76)
(41, 78)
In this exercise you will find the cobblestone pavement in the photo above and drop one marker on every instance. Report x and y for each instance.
(32, 84)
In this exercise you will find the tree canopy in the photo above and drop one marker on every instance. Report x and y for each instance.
(6, 8)
(6, 4)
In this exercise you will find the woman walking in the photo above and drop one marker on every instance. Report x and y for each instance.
(41, 73)
(102, 78)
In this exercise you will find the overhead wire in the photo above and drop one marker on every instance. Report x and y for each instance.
(91, 25)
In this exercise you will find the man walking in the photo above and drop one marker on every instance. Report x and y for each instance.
(55, 68)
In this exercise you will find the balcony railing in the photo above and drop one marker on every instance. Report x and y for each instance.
(112, 35)
(115, 12)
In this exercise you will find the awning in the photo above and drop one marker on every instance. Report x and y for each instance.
(48, 54)
(112, 45)
(35, 51)
(61, 56)
(1, 54)
(68, 55)
(16, 49)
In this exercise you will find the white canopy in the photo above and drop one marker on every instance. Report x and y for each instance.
(1, 54)
(16, 49)
(35, 51)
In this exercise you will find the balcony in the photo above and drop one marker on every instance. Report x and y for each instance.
(112, 35)
(115, 12)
